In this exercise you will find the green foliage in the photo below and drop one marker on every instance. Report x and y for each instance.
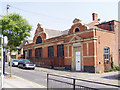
(115, 68)
(15, 28)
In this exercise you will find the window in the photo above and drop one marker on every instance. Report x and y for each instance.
(39, 40)
(106, 54)
(77, 30)
(60, 50)
(50, 51)
(99, 39)
(25, 54)
(38, 52)
(110, 29)
(30, 53)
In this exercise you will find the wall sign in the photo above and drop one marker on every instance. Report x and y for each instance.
(77, 43)
(65, 50)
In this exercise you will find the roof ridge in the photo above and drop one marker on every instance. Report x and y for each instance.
(52, 29)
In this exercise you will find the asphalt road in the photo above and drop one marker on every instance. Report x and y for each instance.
(32, 75)
(40, 77)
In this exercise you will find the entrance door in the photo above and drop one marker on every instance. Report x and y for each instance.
(78, 60)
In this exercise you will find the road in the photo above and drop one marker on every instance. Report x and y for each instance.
(32, 75)
(40, 77)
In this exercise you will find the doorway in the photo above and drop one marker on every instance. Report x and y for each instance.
(77, 58)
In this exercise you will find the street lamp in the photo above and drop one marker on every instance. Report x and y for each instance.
(2, 75)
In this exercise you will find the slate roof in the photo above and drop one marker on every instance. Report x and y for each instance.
(54, 33)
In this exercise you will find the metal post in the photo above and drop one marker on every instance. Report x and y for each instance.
(47, 81)
(2, 75)
(4, 56)
(73, 84)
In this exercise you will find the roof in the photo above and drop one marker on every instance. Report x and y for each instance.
(54, 33)
(24, 42)
(93, 27)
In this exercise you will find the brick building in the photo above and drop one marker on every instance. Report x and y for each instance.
(84, 47)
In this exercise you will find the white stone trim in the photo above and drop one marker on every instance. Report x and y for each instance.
(89, 56)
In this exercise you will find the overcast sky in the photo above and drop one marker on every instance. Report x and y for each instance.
(60, 15)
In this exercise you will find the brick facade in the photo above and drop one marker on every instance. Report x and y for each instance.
(88, 41)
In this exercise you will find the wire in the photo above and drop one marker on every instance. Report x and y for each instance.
(41, 14)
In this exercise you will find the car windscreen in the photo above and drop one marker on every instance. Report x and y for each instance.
(15, 60)
(26, 61)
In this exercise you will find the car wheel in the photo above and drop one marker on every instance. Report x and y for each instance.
(33, 68)
(19, 66)
(23, 67)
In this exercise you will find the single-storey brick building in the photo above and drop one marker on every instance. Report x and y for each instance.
(84, 47)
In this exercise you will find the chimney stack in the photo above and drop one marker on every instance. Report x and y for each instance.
(95, 17)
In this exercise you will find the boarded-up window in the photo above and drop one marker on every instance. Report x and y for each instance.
(60, 50)
(50, 51)
(38, 52)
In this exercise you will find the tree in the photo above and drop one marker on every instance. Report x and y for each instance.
(16, 29)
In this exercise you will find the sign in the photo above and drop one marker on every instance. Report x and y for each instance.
(65, 50)
(77, 43)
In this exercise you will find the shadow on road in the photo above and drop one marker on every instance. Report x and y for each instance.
(113, 77)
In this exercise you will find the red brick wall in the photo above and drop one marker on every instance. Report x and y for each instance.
(70, 51)
(88, 61)
(55, 50)
(84, 49)
(106, 40)
(91, 49)
(81, 27)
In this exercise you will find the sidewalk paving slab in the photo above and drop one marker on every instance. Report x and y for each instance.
(18, 82)
(112, 78)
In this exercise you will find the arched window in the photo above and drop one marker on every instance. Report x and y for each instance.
(77, 30)
(39, 40)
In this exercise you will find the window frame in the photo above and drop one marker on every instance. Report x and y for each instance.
(106, 54)
(60, 51)
(38, 40)
(50, 51)
(38, 52)
(78, 29)
(30, 53)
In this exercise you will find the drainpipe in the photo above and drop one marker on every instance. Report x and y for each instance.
(95, 49)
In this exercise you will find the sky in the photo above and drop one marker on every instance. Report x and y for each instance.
(59, 15)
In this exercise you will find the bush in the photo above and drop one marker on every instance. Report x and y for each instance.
(117, 68)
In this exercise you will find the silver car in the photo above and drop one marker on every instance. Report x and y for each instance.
(25, 63)
(14, 62)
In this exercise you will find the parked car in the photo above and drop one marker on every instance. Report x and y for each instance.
(14, 62)
(25, 63)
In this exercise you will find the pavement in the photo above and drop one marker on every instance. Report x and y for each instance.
(112, 78)
(18, 82)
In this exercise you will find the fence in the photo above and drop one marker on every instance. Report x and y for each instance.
(63, 82)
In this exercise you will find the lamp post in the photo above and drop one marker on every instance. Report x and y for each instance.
(2, 75)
